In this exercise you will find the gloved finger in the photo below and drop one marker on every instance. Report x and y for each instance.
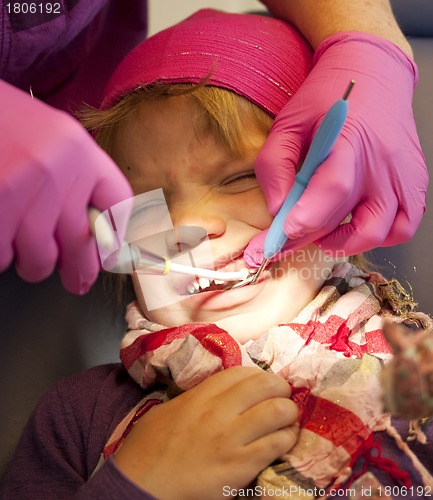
(411, 199)
(79, 273)
(329, 197)
(112, 186)
(7, 225)
(253, 254)
(13, 208)
(38, 263)
(114, 190)
(325, 203)
(35, 247)
(403, 229)
(6, 255)
(370, 224)
(275, 166)
(78, 264)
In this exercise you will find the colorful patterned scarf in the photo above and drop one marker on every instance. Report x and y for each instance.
(331, 354)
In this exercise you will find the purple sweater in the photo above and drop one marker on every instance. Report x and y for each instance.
(66, 51)
(66, 434)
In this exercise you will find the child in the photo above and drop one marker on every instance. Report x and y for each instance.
(187, 111)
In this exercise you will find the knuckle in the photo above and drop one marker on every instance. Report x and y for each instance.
(276, 445)
(287, 439)
(340, 188)
(270, 383)
(282, 410)
(371, 236)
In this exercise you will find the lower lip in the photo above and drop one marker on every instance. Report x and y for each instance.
(221, 300)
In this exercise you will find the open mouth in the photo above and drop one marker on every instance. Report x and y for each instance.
(200, 285)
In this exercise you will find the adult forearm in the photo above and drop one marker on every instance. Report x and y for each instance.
(317, 19)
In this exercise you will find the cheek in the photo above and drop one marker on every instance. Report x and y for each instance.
(154, 294)
(139, 292)
(250, 207)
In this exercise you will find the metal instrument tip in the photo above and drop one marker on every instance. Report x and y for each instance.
(348, 90)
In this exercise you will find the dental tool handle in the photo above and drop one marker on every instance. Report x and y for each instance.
(129, 259)
(321, 146)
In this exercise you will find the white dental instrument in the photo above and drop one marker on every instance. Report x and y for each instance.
(105, 237)
(129, 258)
(130, 255)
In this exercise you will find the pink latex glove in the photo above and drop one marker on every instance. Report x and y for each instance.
(376, 170)
(51, 170)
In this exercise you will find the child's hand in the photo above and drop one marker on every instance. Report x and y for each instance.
(222, 432)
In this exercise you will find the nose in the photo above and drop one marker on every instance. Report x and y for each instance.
(192, 226)
(183, 238)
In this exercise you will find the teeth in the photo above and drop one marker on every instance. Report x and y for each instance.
(192, 288)
(204, 283)
(201, 285)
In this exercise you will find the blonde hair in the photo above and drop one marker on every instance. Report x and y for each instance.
(222, 112)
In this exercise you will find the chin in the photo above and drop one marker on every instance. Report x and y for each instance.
(243, 328)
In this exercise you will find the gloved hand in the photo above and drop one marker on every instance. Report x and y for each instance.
(376, 170)
(51, 170)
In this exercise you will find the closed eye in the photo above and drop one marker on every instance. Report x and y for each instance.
(240, 177)
(240, 183)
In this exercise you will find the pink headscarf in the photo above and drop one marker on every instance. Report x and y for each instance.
(258, 57)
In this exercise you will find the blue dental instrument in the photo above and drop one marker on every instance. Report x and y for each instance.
(321, 146)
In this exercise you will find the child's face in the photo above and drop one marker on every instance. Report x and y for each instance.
(206, 186)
